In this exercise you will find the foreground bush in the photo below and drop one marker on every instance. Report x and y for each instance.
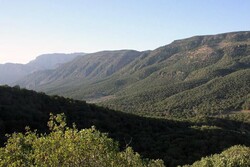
(68, 147)
(236, 156)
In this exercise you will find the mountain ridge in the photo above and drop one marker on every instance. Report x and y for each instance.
(151, 76)
(12, 72)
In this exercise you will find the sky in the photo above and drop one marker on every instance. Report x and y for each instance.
(29, 28)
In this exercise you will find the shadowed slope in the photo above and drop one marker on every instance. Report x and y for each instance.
(177, 142)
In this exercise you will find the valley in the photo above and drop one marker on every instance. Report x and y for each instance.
(209, 74)
(175, 141)
(132, 83)
(184, 103)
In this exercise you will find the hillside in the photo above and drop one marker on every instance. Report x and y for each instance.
(177, 142)
(10, 72)
(217, 96)
(81, 71)
(64, 146)
(53, 60)
(153, 82)
(234, 156)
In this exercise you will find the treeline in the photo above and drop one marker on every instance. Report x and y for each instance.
(177, 142)
(66, 147)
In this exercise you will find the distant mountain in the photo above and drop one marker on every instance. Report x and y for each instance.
(10, 72)
(198, 75)
(82, 70)
(52, 61)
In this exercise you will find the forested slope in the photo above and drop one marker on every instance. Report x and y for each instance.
(190, 75)
(177, 142)
(65, 146)
(152, 82)
(232, 157)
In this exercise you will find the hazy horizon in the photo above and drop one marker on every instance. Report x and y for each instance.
(34, 57)
(31, 28)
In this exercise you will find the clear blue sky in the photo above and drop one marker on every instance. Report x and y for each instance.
(32, 27)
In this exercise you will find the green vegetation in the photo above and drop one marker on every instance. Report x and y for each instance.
(176, 142)
(201, 81)
(194, 92)
(202, 75)
(65, 146)
(232, 157)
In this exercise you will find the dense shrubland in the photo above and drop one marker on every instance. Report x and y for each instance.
(176, 141)
(65, 146)
(236, 156)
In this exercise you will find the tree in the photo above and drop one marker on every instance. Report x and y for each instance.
(236, 156)
(65, 146)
